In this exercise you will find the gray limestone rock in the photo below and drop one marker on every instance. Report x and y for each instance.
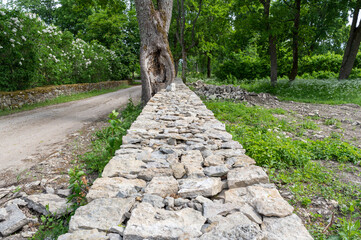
(56, 204)
(123, 166)
(193, 161)
(268, 202)
(241, 161)
(235, 226)
(162, 186)
(114, 236)
(212, 209)
(14, 220)
(92, 234)
(117, 230)
(193, 187)
(63, 192)
(155, 200)
(113, 187)
(3, 214)
(147, 222)
(214, 160)
(178, 170)
(149, 173)
(287, 228)
(228, 153)
(216, 171)
(236, 195)
(17, 201)
(243, 177)
(101, 214)
(231, 145)
(180, 202)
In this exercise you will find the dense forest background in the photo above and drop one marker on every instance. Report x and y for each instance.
(45, 42)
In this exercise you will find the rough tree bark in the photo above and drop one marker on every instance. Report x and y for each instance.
(352, 47)
(272, 40)
(295, 33)
(156, 60)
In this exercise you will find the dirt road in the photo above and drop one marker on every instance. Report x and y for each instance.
(34, 134)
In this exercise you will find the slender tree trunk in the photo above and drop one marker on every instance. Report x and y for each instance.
(273, 57)
(295, 36)
(176, 66)
(272, 40)
(352, 47)
(184, 66)
(208, 67)
(156, 60)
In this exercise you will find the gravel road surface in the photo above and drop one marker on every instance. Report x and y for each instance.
(32, 134)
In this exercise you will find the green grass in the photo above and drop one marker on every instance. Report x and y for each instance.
(290, 162)
(329, 91)
(62, 99)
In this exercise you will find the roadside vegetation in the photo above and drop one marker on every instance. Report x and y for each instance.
(296, 164)
(88, 167)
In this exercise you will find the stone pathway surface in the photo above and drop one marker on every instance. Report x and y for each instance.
(179, 175)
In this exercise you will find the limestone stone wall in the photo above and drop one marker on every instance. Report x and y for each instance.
(179, 175)
(13, 100)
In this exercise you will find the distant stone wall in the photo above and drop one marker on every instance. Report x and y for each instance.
(13, 100)
(179, 175)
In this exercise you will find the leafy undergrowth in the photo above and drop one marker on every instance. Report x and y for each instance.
(328, 91)
(281, 147)
(91, 165)
(62, 99)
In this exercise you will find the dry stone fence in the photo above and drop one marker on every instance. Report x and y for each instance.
(179, 175)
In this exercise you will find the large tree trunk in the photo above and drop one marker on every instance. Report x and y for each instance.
(184, 65)
(156, 61)
(271, 40)
(208, 67)
(352, 47)
(295, 31)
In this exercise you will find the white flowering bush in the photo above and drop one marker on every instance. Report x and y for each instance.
(33, 54)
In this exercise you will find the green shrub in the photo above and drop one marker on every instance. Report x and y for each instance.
(329, 62)
(241, 66)
(34, 54)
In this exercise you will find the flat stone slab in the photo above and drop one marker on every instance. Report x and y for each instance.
(114, 187)
(268, 202)
(287, 228)
(216, 171)
(193, 187)
(56, 204)
(123, 166)
(162, 186)
(101, 214)
(235, 226)
(214, 160)
(243, 177)
(147, 222)
(93, 234)
(14, 220)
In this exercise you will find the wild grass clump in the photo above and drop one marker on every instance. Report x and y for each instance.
(265, 139)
